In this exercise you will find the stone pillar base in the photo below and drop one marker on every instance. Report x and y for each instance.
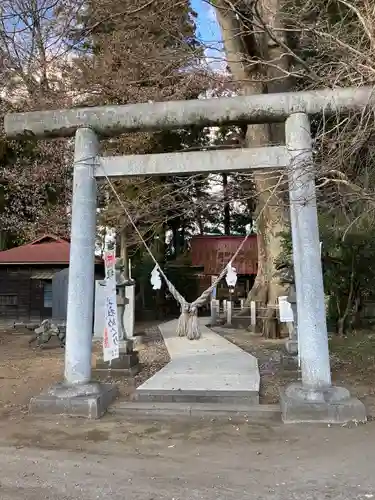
(87, 400)
(333, 405)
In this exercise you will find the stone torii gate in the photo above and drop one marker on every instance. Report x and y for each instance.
(315, 399)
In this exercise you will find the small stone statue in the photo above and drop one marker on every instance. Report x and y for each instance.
(286, 273)
(46, 331)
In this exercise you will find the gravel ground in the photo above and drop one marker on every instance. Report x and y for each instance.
(153, 354)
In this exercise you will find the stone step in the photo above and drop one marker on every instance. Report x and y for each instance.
(140, 409)
(210, 370)
(229, 397)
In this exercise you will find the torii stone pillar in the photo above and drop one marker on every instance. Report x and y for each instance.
(82, 263)
(315, 399)
(77, 395)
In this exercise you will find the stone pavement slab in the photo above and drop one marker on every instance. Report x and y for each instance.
(208, 370)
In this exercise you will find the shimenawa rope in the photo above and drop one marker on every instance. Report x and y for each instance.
(188, 321)
(188, 324)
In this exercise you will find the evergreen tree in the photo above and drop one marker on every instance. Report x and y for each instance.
(134, 54)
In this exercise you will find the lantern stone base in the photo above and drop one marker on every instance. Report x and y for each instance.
(82, 400)
(291, 347)
(127, 364)
(333, 405)
(289, 360)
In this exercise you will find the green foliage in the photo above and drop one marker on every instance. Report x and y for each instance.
(348, 256)
(185, 280)
(349, 272)
(182, 275)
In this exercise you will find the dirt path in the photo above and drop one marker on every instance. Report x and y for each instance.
(25, 371)
(177, 458)
(184, 460)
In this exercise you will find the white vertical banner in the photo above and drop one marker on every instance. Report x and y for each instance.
(111, 336)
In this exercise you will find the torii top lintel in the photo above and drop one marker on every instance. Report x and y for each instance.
(114, 120)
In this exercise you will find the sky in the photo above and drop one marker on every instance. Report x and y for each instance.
(208, 31)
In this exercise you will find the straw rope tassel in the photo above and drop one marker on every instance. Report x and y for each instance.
(188, 324)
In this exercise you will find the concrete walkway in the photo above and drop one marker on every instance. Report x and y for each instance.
(211, 369)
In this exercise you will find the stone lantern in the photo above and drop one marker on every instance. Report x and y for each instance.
(287, 277)
(128, 361)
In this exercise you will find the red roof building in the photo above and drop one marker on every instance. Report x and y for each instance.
(26, 274)
(48, 249)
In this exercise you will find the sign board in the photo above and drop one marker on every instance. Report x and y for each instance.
(214, 252)
(285, 310)
(111, 326)
(60, 283)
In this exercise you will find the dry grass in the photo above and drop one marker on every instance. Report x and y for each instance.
(353, 365)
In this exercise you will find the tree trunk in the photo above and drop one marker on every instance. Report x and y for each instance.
(226, 206)
(159, 251)
(341, 327)
(3, 239)
(341, 323)
(272, 216)
(176, 238)
(124, 252)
